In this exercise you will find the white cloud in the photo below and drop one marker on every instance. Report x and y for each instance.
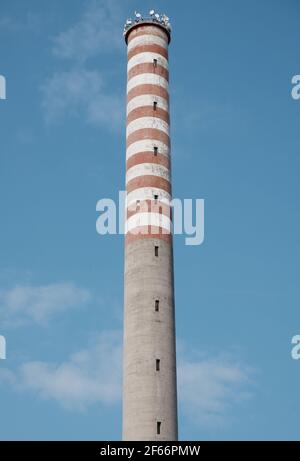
(97, 31)
(81, 92)
(27, 303)
(7, 377)
(90, 376)
(210, 388)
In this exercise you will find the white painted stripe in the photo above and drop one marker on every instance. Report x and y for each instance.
(148, 169)
(147, 100)
(147, 79)
(153, 31)
(147, 58)
(148, 219)
(147, 40)
(147, 145)
(147, 122)
(147, 193)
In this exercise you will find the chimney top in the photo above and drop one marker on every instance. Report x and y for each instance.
(153, 18)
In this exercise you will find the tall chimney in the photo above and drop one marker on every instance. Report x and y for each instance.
(149, 369)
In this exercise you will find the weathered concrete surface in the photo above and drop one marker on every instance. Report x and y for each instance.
(149, 395)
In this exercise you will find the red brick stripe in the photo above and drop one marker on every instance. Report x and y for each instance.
(139, 90)
(147, 157)
(151, 207)
(148, 68)
(148, 48)
(147, 133)
(148, 181)
(157, 233)
(148, 111)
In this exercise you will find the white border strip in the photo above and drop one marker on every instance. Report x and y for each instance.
(147, 100)
(148, 219)
(147, 79)
(147, 193)
(147, 40)
(147, 122)
(148, 169)
(147, 145)
(147, 58)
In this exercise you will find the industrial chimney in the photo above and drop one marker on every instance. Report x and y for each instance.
(149, 369)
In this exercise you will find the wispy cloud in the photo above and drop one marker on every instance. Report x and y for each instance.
(81, 92)
(96, 32)
(24, 304)
(30, 22)
(7, 23)
(210, 388)
(7, 377)
(92, 375)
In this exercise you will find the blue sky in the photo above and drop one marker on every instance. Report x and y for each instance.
(235, 138)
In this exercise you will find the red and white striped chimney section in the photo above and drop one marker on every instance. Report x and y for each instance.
(148, 171)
